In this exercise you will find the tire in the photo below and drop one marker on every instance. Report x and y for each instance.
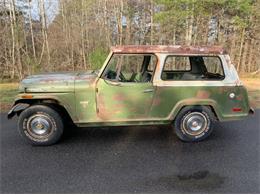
(40, 125)
(194, 123)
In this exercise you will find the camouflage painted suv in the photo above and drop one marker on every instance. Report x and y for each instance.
(188, 87)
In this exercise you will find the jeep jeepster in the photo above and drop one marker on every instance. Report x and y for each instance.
(188, 87)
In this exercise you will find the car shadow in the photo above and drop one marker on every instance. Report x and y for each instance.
(138, 133)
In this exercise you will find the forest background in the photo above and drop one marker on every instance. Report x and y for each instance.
(75, 35)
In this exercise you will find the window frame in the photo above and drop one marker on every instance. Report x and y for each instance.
(194, 55)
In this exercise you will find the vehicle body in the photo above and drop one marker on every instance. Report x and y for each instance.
(140, 85)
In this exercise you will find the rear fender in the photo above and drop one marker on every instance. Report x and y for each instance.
(195, 102)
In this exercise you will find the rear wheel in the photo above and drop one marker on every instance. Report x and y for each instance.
(194, 123)
(40, 125)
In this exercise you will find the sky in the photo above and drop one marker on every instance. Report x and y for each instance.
(51, 8)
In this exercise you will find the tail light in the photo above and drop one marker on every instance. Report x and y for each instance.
(236, 109)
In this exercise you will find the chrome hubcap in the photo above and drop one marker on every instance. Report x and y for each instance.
(39, 125)
(195, 123)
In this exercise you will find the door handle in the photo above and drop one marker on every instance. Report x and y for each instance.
(116, 83)
(113, 83)
(148, 90)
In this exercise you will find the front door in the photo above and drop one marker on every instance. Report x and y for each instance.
(125, 90)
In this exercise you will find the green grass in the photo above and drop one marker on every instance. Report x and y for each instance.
(8, 92)
(7, 96)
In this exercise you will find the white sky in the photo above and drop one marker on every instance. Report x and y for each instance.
(51, 8)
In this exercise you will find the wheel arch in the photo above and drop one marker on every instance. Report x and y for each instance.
(22, 104)
(193, 102)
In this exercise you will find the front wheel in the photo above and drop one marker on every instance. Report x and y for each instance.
(194, 123)
(40, 125)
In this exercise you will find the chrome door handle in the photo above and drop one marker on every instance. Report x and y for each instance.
(113, 83)
(148, 90)
(116, 83)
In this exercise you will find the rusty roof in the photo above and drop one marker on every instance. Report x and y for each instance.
(175, 49)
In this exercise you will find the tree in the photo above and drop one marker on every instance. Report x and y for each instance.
(79, 36)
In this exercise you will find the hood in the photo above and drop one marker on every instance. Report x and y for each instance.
(55, 82)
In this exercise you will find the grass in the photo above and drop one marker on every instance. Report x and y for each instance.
(253, 86)
(9, 90)
(7, 95)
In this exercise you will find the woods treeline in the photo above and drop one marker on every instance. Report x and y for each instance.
(82, 31)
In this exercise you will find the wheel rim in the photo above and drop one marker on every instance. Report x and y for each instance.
(195, 123)
(39, 126)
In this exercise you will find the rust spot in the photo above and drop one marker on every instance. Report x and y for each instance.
(86, 77)
(177, 49)
(52, 80)
(156, 102)
(81, 115)
(157, 68)
(103, 114)
(203, 94)
(119, 97)
(224, 90)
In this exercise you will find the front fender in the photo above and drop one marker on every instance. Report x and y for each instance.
(17, 108)
(66, 100)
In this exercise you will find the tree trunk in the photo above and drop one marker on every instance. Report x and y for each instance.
(16, 46)
(244, 56)
(250, 55)
(13, 43)
(44, 31)
(151, 22)
(242, 39)
(31, 30)
(189, 25)
(82, 36)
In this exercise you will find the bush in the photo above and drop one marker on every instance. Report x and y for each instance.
(97, 58)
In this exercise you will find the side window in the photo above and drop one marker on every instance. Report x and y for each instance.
(213, 65)
(110, 71)
(130, 68)
(152, 64)
(192, 68)
(175, 67)
(177, 63)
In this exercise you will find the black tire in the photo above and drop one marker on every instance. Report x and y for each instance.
(194, 123)
(40, 125)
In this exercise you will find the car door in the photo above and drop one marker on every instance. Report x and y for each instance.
(124, 93)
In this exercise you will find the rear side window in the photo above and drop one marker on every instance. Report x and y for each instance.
(213, 65)
(192, 68)
(177, 63)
